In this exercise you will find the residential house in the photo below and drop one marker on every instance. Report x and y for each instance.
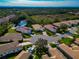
(56, 54)
(7, 19)
(48, 38)
(11, 37)
(73, 30)
(51, 27)
(69, 23)
(68, 51)
(9, 48)
(25, 30)
(45, 57)
(37, 27)
(76, 41)
(23, 55)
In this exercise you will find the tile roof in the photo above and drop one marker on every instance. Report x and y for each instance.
(73, 53)
(77, 41)
(11, 37)
(45, 57)
(7, 18)
(55, 53)
(8, 47)
(48, 38)
(50, 27)
(70, 22)
(23, 55)
(37, 27)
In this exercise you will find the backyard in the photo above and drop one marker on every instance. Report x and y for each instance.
(11, 30)
(67, 41)
(75, 35)
(49, 32)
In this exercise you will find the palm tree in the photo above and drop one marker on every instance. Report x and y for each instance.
(41, 47)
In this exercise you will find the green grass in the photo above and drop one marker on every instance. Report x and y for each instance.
(49, 32)
(75, 35)
(37, 32)
(27, 46)
(36, 57)
(11, 31)
(11, 57)
(26, 36)
(67, 41)
(53, 45)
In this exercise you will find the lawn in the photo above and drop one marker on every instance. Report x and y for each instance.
(36, 57)
(53, 45)
(75, 35)
(12, 57)
(26, 36)
(49, 32)
(37, 32)
(27, 46)
(11, 30)
(67, 41)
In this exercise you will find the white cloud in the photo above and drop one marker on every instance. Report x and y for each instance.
(37, 3)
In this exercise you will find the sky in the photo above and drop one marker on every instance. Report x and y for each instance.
(40, 3)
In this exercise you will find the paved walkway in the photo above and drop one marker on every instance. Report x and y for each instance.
(25, 43)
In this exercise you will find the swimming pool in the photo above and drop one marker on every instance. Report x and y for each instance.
(23, 23)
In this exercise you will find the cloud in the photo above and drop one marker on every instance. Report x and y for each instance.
(46, 3)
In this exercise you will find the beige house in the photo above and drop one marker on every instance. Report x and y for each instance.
(69, 23)
(23, 55)
(55, 54)
(37, 27)
(70, 53)
(77, 41)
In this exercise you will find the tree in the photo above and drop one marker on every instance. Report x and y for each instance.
(3, 29)
(41, 47)
(62, 29)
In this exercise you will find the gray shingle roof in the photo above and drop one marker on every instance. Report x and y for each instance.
(11, 37)
(48, 38)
